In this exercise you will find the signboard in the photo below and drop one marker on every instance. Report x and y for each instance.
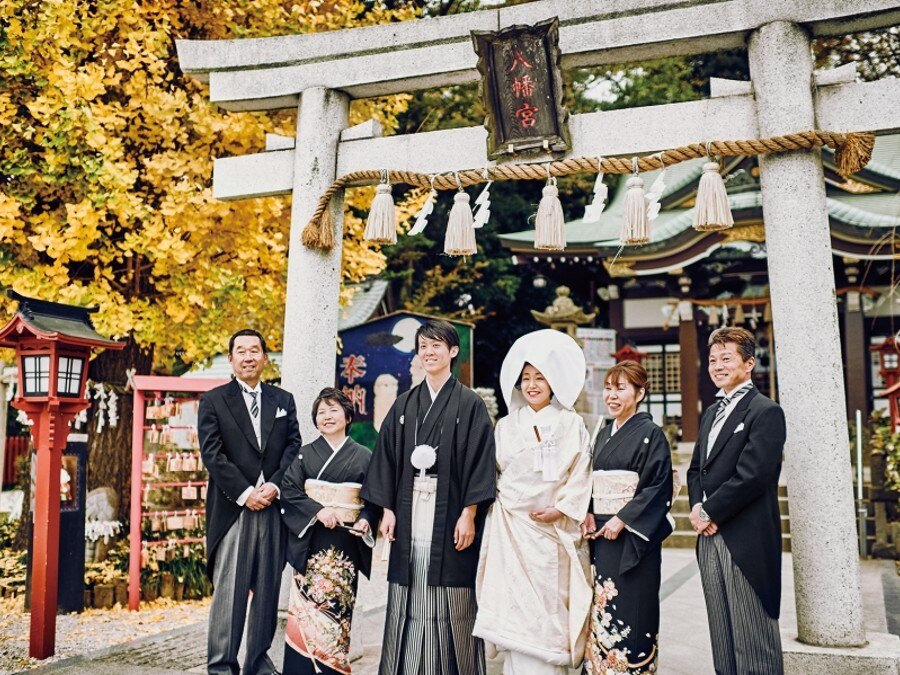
(521, 85)
(378, 362)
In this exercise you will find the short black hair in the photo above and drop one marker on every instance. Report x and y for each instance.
(332, 395)
(247, 331)
(438, 329)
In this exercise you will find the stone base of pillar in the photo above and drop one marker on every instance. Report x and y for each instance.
(881, 656)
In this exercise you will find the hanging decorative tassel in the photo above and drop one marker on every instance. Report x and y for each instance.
(426, 210)
(855, 153)
(460, 237)
(381, 227)
(635, 227)
(767, 313)
(656, 190)
(593, 210)
(483, 203)
(713, 316)
(550, 223)
(739, 316)
(711, 210)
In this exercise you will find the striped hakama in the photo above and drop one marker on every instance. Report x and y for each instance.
(428, 629)
(745, 639)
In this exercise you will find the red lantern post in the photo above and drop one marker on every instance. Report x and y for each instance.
(53, 345)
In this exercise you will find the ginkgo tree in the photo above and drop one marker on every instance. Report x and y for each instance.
(106, 155)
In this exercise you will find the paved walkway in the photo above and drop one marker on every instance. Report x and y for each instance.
(684, 637)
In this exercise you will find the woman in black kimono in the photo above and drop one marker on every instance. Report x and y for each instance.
(632, 497)
(330, 540)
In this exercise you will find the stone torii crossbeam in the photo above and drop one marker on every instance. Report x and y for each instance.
(318, 74)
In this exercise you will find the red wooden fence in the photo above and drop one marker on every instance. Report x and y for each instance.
(16, 447)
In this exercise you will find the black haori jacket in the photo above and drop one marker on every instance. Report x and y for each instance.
(232, 455)
(740, 480)
(466, 475)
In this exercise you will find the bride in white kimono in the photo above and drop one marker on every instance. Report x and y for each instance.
(534, 585)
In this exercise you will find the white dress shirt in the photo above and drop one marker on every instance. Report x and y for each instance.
(257, 429)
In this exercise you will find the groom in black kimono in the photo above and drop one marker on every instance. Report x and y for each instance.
(434, 513)
(733, 485)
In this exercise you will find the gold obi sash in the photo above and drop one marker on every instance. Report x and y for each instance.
(342, 497)
(613, 490)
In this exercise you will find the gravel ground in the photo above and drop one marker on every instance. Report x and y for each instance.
(91, 630)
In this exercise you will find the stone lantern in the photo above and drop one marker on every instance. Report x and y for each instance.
(53, 344)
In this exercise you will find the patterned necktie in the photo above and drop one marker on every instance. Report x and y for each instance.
(726, 401)
(254, 405)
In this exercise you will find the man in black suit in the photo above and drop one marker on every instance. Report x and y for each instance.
(733, 485)
(249, 435)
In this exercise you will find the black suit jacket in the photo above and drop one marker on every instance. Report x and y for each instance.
(232, 455)
(740, 479)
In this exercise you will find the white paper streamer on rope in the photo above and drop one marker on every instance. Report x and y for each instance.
(80, 419)
(426, 210)
(22, 418)
(129, 379)
(100, 397)
(483, 203)
(593, 210)
(113, 409)
(655, 192)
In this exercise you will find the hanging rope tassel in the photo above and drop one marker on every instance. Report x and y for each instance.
(381, 227)
(550, 223)
(711, 210)
(739, 316)
(854, 153)
(635, 226)
(460, 237)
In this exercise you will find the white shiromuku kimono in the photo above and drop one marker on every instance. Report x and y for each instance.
(534, 584)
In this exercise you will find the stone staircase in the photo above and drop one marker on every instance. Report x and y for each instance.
(685, 537)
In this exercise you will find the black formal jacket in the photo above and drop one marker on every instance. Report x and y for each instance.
(740, 479)
(232, 455)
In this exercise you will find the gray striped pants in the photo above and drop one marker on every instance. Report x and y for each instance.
(745, 639)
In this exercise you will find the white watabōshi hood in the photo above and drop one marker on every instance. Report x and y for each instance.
(556, 355)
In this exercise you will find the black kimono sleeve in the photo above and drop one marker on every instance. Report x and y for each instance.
(383, 476)
(652, 498)
(481, 459)
(298, 509)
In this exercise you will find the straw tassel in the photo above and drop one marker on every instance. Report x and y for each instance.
(319, 232)
(739, 316)
(854, 153)
(460, 237)
(381, 227)
(635, 227)
(713, 316)
(550, 224)
(767, 313)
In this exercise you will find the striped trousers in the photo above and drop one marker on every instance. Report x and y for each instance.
(745, 639)
(428, 629)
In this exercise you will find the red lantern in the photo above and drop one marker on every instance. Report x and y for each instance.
(53, 344)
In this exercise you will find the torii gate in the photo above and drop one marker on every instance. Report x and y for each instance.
(319, 73)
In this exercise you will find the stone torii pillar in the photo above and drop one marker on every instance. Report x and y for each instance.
(311, 311)
(801, 278)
